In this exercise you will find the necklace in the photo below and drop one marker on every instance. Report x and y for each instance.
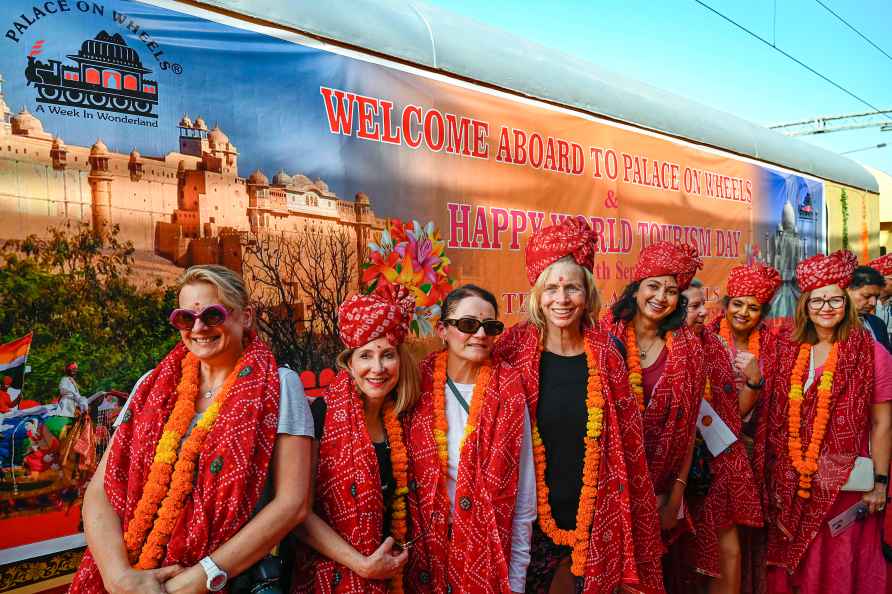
(212, 391)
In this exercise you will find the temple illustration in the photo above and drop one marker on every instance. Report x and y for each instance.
(188, 207)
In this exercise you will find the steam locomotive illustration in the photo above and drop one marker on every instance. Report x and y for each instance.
(108, 75)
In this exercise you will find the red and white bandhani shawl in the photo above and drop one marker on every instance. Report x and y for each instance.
(670, 418)
(668, 259)
(758, 281)
(883, 264)
(820, 270)
(733, 498)
(348, 495)
(793, 522)
(774, 344)
(474, 555)
(624, 546)
(572, 237)
(232, 466)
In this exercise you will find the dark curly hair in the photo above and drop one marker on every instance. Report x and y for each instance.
(626, 307)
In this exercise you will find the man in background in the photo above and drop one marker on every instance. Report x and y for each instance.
(864, 291)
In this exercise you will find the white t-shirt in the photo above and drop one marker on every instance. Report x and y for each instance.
(524, 506)
(294, 410)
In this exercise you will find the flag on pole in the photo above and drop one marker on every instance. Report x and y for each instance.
(13, 356)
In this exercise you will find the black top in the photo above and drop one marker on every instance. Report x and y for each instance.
(382, 452)
(876, 327)
(561, 416)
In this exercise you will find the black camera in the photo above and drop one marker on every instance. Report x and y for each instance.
(264, 577)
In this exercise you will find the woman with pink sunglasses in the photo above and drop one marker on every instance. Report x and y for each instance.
(173, 504)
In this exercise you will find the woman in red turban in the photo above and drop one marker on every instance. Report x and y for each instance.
(666, 372)
(597, 528)
(754, 349)
(829, 425)
(721, 492)
(473, 494)
(359, 521)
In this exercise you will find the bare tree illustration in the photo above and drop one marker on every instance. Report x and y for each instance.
(297, 281)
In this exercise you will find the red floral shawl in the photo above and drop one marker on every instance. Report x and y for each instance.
(232, 465)
(477, 552)
(624, 546)
(793, 521)
(348, 495)
(670, 418)
(774, 344)
(733, 497)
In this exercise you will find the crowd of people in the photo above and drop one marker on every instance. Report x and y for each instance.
(640, 447)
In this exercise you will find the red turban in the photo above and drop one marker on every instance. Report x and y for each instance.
(572, 237)
(668, 259)
(820, 271)
(364, 318)
(883, 264)
(757, 281)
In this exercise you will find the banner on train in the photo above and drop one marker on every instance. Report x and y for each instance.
(198, 139)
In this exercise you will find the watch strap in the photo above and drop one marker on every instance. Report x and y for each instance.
(757, 386)
(883, 479)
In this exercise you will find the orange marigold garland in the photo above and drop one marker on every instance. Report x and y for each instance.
(441, 425)
(165, 455)
(183, 476)
(636, 375)
(633, 361)
(806, 465)
(577, 538)
(400, 462)
(752, 345)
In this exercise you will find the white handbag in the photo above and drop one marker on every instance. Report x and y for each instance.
(861, 477)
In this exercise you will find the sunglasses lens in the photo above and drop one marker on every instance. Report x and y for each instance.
(493, 327)
(467, 325)
(213, 316)
(182, 320)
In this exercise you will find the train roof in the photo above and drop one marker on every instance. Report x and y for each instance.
(437, 39)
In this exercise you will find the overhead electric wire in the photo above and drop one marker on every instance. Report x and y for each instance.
(857, 32)
(791, 57)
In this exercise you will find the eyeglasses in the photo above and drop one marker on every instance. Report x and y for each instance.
(817, 304)
(212, 315)
(472, 325)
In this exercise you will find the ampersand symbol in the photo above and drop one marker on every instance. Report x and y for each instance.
(611, 201)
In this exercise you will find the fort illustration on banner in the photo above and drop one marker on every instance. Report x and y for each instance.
(189, 206)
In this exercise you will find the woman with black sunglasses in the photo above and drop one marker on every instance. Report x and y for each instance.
(171, 507)
(597, 529)
(472, 494)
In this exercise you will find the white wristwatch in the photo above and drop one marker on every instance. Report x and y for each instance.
(216, 577)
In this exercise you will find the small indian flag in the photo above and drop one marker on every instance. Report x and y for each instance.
(13, 356)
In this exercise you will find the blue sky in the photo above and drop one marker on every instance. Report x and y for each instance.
(679, 46)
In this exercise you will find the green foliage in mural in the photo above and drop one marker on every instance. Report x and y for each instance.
(844, 205)
(73, 290)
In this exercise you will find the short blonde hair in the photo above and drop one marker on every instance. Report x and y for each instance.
(230, 285)
(408, 385)
(805, 328)
(592, 299)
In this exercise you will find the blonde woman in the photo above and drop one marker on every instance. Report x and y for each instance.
(355, 534)
(597, 526)
(171, 506)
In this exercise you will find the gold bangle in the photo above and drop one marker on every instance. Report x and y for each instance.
(678, 480)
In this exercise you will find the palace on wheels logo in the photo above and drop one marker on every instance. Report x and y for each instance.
(106, 74)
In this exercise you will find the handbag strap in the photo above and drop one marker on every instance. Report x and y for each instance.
(458, 396)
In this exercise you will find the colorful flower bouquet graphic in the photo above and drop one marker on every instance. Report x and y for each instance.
(412, 255)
